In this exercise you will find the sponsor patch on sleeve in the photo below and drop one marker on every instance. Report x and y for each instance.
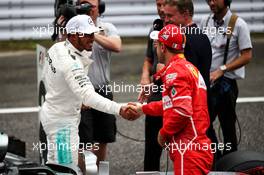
(167, 103)
(171, 77)
(82, 80)
(79, 75)
(173, 92)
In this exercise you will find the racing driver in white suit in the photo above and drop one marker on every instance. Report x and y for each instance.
(68, 87)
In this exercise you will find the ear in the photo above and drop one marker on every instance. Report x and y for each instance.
(186, 14)
(163, 48)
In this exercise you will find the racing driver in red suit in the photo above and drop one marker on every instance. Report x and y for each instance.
(183, 106)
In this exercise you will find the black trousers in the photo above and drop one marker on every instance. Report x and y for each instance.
(96, 126)
(152, 148)
(223, 96)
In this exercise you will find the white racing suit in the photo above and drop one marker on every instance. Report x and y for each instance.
(68, 87)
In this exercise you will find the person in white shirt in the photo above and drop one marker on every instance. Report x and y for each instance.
(225, 72)
(68, 87)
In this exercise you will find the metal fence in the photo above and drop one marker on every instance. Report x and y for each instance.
(24, 19)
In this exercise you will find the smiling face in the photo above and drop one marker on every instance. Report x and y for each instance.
(173, 15)
(82, 41)
(87, 41)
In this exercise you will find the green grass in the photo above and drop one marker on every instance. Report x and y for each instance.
(257, 36)
(15, 45)
(134, 40)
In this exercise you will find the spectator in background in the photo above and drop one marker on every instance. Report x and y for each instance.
(63, 13)
(223, 74)
(96, 126)
(198, 49)
(152, 124)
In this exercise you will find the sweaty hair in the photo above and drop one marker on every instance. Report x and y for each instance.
(182, 5)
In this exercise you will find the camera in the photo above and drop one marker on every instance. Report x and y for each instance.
(157, 24)
(83, 8)
(68, 9)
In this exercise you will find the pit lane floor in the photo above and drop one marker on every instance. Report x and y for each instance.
(19, 89)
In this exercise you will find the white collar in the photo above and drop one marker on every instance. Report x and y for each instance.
(227, 16)
(72, 49)
(84, 56)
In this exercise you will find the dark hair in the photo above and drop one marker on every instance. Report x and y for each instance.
(182, 5)
(173, 50)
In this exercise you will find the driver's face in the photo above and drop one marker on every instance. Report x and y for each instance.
(86, 41)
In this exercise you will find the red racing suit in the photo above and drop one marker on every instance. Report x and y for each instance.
(185, 117)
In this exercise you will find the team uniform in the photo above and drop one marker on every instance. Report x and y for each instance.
(68, 87)
(185, 116)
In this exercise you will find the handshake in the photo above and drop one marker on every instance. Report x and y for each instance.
(131, 111)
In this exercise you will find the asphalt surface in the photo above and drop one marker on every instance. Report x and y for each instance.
(18, 88)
